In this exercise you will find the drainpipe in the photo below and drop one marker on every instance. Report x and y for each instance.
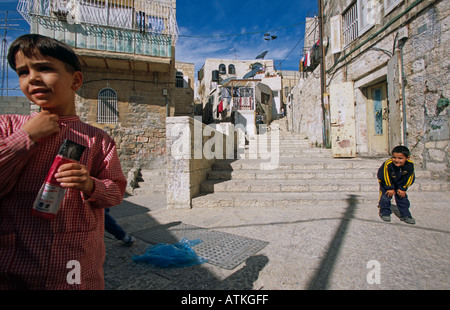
(405, 133)
(325, 132)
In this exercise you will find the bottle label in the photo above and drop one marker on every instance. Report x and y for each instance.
(49, 198)
(51, 194)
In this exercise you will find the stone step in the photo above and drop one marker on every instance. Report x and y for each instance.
(286, 163)
(288, 152)
(298, 199)
(295, 174)
(151, 182)
(299, 186)
(305, 181)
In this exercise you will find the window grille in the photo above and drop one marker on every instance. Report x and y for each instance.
(107, 107)
(350, 24)
(179, 80)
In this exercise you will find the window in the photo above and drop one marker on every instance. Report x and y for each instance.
(107, 106)
(179, 80)
(367, 14)
(350, 24)
(359, 18)
(231, 69)
(222, 69)
(389, 5)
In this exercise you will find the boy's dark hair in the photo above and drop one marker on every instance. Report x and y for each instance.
(401, 149)
(30, 44)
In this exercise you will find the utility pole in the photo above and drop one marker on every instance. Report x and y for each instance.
(4, 50)
(3, 53)
(325, 108)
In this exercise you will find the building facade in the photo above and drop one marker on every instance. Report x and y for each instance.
(127, 52)
(386, 81)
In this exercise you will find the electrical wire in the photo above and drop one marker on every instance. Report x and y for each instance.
(240, 34)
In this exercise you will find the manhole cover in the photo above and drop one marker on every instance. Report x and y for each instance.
(220, 249)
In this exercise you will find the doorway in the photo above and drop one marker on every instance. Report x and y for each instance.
(377, 119)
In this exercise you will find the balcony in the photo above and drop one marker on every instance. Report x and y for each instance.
(140, 27)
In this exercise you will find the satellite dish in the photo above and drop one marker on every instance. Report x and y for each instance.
(228, 79)
(252, 73)
(262, 55)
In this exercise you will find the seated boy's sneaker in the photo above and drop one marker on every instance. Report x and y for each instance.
(408, 220)
(128, 239)
(386, 218)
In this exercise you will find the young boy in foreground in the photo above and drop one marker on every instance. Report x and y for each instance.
(395, 176)
(37, 253)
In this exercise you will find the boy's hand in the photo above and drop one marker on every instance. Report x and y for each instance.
(44, 124)
(75, 175)
(390, 193)
(401, 193)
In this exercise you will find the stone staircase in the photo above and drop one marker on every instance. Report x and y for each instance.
(151, 182)
(305, 175)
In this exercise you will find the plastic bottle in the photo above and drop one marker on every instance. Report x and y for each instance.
(51, 194)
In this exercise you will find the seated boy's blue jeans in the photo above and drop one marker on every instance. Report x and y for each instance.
(384, 204)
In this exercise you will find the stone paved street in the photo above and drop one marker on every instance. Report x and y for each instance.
(330, 247)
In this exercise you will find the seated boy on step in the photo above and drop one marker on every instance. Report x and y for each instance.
(395, 176)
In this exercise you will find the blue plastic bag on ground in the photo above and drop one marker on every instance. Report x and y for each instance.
(179, 254)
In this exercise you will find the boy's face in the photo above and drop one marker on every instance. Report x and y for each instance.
(46, 82)
(399, 159)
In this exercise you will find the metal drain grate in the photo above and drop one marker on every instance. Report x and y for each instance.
(220, 249)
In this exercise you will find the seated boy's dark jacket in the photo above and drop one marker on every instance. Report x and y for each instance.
(392, 177)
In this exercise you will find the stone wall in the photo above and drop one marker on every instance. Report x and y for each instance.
(14, 105)
(427, 91)
(184, 97)
(140, 130)
(192, 148)
(305, 113)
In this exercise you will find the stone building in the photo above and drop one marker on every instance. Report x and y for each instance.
(386, 72)
(215, 71)
(183, 93)
(127, 52)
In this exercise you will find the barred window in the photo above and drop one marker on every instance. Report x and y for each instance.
(358, 19)
(179, 80)
(350, 24)
(107, 106)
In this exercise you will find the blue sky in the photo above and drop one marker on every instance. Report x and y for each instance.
(232, 29)
(235, 29)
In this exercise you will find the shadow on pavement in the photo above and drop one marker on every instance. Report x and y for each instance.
(321, 279)
(122, 273)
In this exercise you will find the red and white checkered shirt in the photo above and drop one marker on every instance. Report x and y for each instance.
(35, 252)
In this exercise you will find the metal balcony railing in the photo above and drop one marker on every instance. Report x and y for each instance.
(134, 23)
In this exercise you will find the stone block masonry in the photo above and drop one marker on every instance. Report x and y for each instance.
(14, 105)
(187, 163)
